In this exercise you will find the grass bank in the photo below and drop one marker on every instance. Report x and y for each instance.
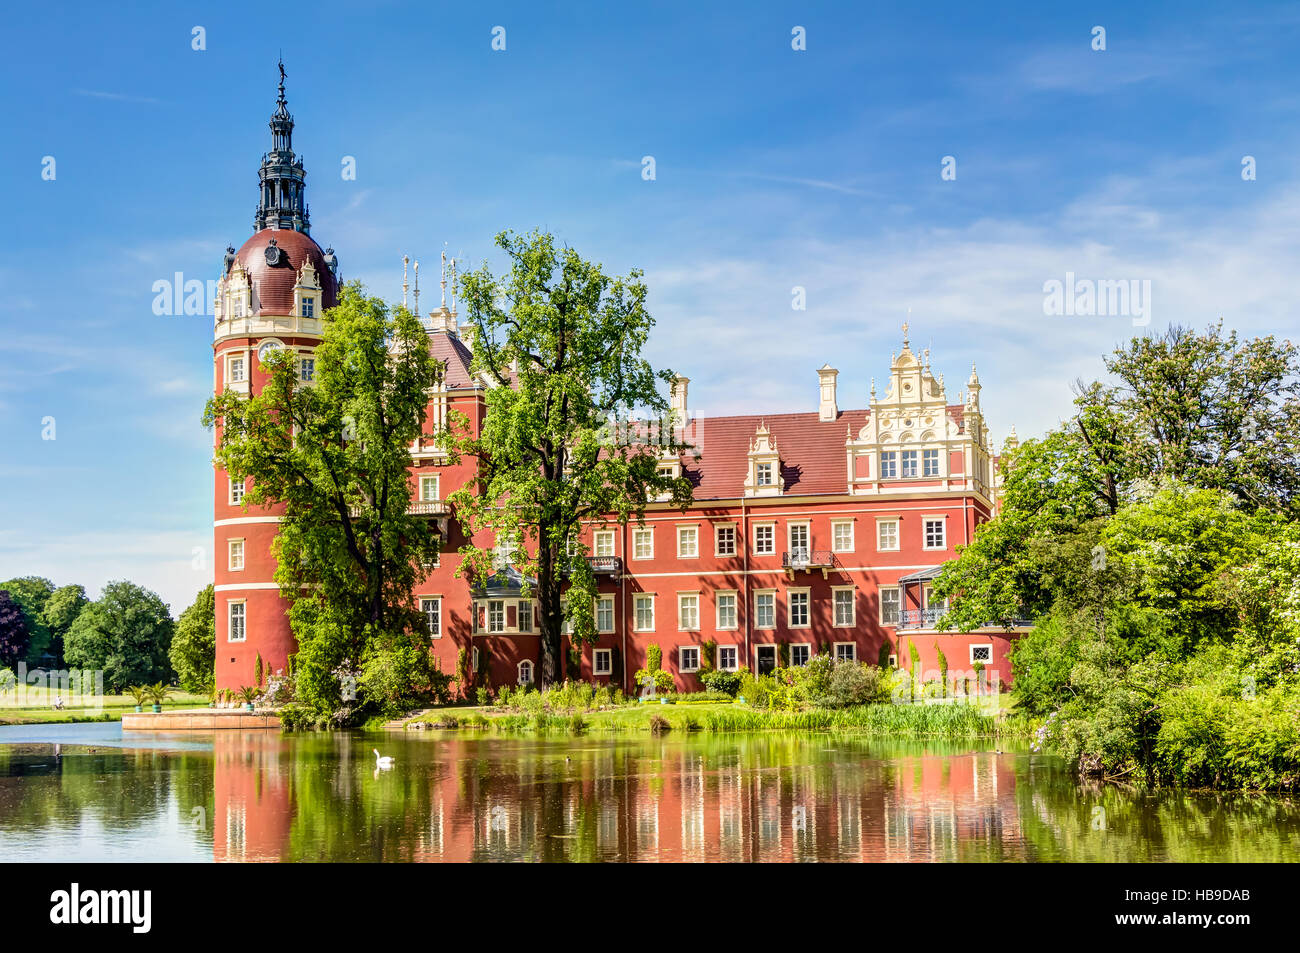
(38, 711)
(910, 721)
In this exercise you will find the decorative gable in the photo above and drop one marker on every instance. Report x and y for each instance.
(764, 477)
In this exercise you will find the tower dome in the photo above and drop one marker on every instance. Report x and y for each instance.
(274, 258)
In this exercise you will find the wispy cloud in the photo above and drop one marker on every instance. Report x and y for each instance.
(116, 97)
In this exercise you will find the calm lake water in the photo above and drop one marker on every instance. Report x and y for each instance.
(235, 796)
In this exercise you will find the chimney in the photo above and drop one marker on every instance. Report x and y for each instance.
(677, 402)
(827, 408)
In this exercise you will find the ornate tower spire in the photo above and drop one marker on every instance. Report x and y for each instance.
(282, 203)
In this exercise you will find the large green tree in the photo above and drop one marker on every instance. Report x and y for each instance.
(126, 634)
(335, 454)
(194, 643)
(32, 593)
(561, 343)
(15, 634)
(61, 610)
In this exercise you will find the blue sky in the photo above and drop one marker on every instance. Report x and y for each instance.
(774, 169)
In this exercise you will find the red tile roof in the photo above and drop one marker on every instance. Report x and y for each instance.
(811, 451)
(451, 350)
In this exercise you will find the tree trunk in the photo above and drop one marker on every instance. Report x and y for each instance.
(548, 598)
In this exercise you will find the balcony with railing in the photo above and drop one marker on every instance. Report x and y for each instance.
(605, 565)
(807, 560)
(921, 618)
(417, 508)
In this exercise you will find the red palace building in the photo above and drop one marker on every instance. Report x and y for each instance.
(814, 531)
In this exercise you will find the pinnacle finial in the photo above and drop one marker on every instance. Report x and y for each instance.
(906, 325)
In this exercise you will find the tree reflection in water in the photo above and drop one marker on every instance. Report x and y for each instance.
(759, 797)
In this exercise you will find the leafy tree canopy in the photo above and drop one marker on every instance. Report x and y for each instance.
(561, 342)
(125, 633)
(334, 454)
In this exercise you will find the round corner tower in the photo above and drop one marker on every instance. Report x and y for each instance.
(272, 294)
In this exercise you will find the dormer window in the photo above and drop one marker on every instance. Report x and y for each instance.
(889, 465)
(910, 463)
(308, 309)
(764, 465)
(237, 307)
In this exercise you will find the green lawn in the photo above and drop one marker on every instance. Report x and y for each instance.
(38, 706)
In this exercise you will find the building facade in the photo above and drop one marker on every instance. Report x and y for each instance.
(810, 532)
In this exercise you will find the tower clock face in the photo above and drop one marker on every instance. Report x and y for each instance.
(265, 350)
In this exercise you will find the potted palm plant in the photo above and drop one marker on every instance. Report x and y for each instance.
(158, 693)
(248, 694)
(141, 695)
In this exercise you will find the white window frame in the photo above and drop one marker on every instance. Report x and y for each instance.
(912, 456)
(880, 525)
(639, 534)
(800, 645)
(603, 539)
(432, 622)
(681, 659)
(524, 665)
(243, 620)
(681, 608)
(765, 468)
(980, 645)
(307, 368)
(888, 462)
(735, 658)
(928, 454)
(758, 615)
(425, 478)
(898, 606)
(806, 527)
(601, 601)
(242, 359)
(691, 532)
(638, 600)
(771, 528)
(718, 597)
(307, 307)
(718, 529)
(237, 499)
(790, 595)
(495, 626)
(851, 646)
(524, 610)
(231, 546)
(837, 525)
(836, 592)
(926, 521)
(608, 656)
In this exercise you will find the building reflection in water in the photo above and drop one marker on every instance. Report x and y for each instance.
(738, 798)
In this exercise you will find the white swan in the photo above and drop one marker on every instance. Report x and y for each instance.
(381, 761)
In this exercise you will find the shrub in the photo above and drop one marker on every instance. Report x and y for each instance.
(659, 724)
(663, 680)
(854, 684)
(724, 683)
(481, 695)
(654, 658)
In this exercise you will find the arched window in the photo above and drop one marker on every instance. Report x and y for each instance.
(525, 672)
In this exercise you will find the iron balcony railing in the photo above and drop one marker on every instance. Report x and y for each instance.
(610, 565)
(807, 559)
(920, 618)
